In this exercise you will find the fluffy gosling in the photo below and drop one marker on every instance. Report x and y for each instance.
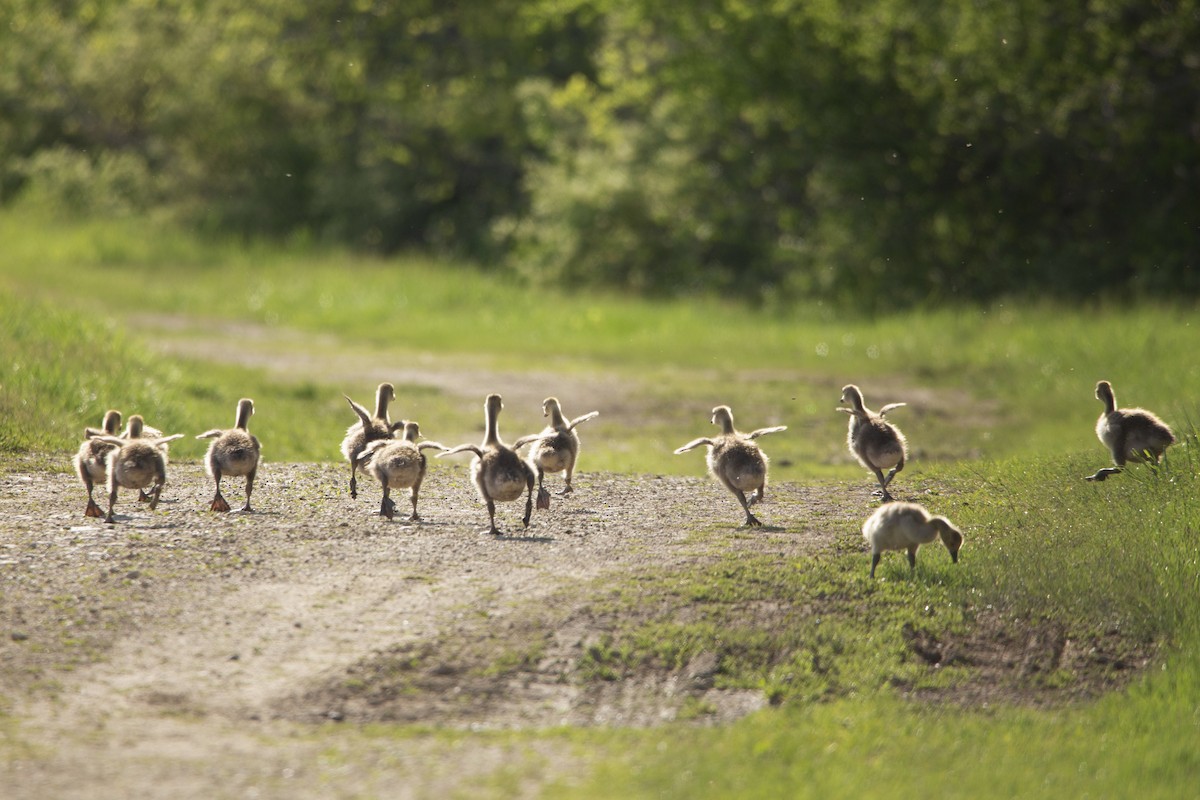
(399, 464)
(1130, 434)
(907, 526)
(736, 461)
(89, 460)
(500, 474)
(557, 450)
(369, 428)
(875, 442)
(136, 463)
(233, 452)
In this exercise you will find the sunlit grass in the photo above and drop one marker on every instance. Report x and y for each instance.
(995, 382)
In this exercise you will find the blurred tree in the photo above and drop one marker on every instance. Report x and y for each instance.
(870, 151)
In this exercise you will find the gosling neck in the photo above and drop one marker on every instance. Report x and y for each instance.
(492, 418)
(244, 410)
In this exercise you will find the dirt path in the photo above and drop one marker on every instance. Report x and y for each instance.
(186, 650)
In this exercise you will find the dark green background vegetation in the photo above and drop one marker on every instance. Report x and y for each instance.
(874, 150)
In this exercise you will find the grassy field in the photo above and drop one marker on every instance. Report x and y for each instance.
(1001, 415)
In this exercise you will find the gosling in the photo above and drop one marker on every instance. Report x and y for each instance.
(1130, 434)
(89, 460)
(136, 463)
(557, 450)
(736, 461)
(233, 452)
(399, 464)
(500, 474)
(907, 526)
(369, 428)
(143, 432)
(875, 442)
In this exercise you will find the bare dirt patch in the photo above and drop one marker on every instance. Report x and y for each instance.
(182, 650)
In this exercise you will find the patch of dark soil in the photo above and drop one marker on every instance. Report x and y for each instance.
(1030, 662)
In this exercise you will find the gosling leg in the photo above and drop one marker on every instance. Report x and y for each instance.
(218, 502)
(566, 490)
(249, 489)
(529, 501)
(491, 504)
(387, 508)
(112, 501)
(543, 496)
(751, 520)
(154, 497)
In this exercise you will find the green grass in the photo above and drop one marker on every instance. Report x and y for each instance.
(1001, 413)
(1043, 545)
(997, 382)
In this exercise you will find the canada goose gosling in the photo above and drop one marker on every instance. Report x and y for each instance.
(233, 452)
(136, 463)
(875, 442)
(557, 450)
(500, 474)
(736, 460)
(1130, 434)
(907, 526)
(399, 464)
(370, 427)
(89, 460)
(143, 431)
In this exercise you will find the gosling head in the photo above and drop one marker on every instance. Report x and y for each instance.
(494, 404)
(853, 395)
(112, 422)
(412, 431)
(1104, 392)
(723, 416)
(135, 427)
(951, 536)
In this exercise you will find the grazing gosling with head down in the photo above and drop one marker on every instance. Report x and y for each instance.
(89, 460)
(136, 463)
(234, 452)
(1130, 434)
(399, 464)
(369, 428)
(875, 442)
(500, 474)
(558, 449)
(736, 461)
(907, 526)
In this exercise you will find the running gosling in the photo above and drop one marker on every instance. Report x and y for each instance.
(399, 464)
(89, 460)
(498, 471)
(736, 461)
(907, 526)
(135, 463)
(1130, 434)
(369, 428)
(234, 452)
(558, 450)
(875, 442)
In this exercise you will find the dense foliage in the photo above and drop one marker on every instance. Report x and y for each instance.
(869, 150)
